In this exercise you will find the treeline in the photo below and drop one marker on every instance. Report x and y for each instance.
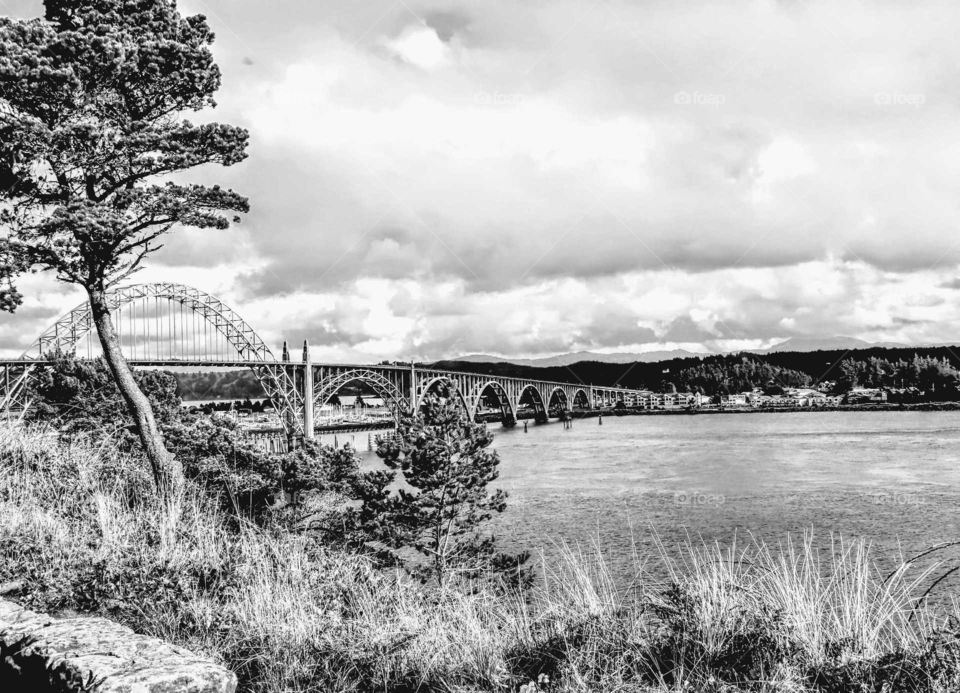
(227, 405)
(234, 386)
(637, 375)
(724, 375)
(927, 369)
(710, 375)
(937, 378)
(228, 385)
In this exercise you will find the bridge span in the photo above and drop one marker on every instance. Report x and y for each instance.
(174, 326)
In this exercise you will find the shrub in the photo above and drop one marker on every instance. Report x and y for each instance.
(80, 396)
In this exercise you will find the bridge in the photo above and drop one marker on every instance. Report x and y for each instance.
(174, 326)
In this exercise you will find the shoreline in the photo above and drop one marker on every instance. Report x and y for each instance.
(592, 414)
(915, 406)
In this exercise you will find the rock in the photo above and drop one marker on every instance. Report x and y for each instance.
(122, 661)
(12, 586)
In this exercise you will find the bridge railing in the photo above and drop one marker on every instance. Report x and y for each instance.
(515, 379)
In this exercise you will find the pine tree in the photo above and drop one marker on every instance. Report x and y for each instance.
(447, 463)
(90, 133)
(81, 396)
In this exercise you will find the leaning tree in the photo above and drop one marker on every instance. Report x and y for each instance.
(91, 139)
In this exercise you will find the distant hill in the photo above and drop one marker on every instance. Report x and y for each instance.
(635, 374)
(820, 365)
(797, 344)
(828, 344)
(580, 356)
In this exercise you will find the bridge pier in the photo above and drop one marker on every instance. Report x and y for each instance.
(308, 432)
(413, 388)
(540, 415)
(289, 416)
(508, 420)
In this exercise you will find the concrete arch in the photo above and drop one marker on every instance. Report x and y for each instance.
(452, 388)
(581, 399)
(538, 396)
(559, 395)
(385, 389)
(540, 407)
(477, 396)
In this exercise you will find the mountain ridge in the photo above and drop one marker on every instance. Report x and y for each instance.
(803, 344)
(581, 356)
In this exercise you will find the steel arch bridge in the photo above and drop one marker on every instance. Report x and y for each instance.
(173, 325)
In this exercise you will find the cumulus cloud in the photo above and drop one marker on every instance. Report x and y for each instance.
(431, 178)
(366, 320)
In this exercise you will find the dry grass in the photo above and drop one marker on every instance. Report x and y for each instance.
(78, 522)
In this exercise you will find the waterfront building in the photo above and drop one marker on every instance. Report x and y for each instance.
(863, 395)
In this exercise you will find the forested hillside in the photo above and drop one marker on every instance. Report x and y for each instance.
(924, 368)
(229, 385)
(927, 368)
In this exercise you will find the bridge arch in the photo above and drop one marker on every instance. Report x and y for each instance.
(581, 400)
(451, 387)
(277, 382)
(540, 407)
(559, 396)
(476, 397)
(385, 389)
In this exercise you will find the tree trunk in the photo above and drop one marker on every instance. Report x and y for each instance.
(167, 472)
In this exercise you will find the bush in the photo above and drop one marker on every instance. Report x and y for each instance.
(80, 396)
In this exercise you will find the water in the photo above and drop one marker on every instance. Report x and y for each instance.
(892, 478)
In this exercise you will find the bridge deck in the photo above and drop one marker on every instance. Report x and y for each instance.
(240, 364)
(177, 327)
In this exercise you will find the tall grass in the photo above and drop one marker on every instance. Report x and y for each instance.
(80, 526)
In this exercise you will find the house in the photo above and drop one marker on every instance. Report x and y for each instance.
(778, 401)
(805, 397)
(864, 395)
(735, 400)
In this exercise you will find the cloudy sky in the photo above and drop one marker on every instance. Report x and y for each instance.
(430, 179)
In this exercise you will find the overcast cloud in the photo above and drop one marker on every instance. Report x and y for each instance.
(430, 179)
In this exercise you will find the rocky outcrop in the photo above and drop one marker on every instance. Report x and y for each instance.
(108, 655)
